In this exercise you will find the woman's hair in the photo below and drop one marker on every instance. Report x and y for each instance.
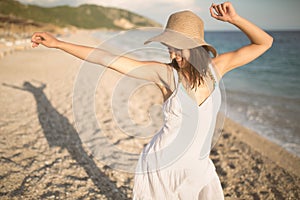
(196, 65)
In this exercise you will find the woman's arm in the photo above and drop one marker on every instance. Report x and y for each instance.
(260, 41)
(147, 70)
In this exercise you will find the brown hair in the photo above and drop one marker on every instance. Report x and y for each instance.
(196, 66)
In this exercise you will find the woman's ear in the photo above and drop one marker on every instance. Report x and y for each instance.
(186, 54)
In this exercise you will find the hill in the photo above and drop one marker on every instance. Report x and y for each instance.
(85, 16)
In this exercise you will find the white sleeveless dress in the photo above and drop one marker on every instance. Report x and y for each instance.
(175, 164)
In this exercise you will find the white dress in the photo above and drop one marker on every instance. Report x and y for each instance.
(175, 164)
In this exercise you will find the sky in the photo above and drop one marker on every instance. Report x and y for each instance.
(267, 14)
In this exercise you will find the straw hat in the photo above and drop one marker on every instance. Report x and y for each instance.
(184, 30)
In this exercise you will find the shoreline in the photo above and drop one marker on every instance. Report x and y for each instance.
(268, 148)
(39, 159)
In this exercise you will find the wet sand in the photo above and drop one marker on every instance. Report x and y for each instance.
(42, 156)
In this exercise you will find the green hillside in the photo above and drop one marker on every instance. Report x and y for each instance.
(84, 16)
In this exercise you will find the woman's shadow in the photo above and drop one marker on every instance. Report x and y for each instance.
(59, 132)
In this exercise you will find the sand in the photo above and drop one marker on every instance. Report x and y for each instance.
(42, 156)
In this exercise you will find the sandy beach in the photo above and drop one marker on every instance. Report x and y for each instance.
(42, 156)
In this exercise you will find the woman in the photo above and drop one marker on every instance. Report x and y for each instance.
(176, 165)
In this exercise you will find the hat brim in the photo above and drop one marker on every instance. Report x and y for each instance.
(180, 41)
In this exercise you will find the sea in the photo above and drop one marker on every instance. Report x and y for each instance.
(263, 95)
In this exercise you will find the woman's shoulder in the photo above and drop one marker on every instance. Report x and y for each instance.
(217, 67)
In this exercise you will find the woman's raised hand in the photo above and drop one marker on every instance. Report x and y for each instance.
(224, 12)
(45, 39)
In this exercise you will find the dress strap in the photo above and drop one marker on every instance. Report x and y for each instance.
(213, 72)
(175, 76)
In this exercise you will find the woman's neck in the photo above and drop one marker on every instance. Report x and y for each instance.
(184, 77)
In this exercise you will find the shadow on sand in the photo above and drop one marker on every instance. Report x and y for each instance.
(59, 132)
